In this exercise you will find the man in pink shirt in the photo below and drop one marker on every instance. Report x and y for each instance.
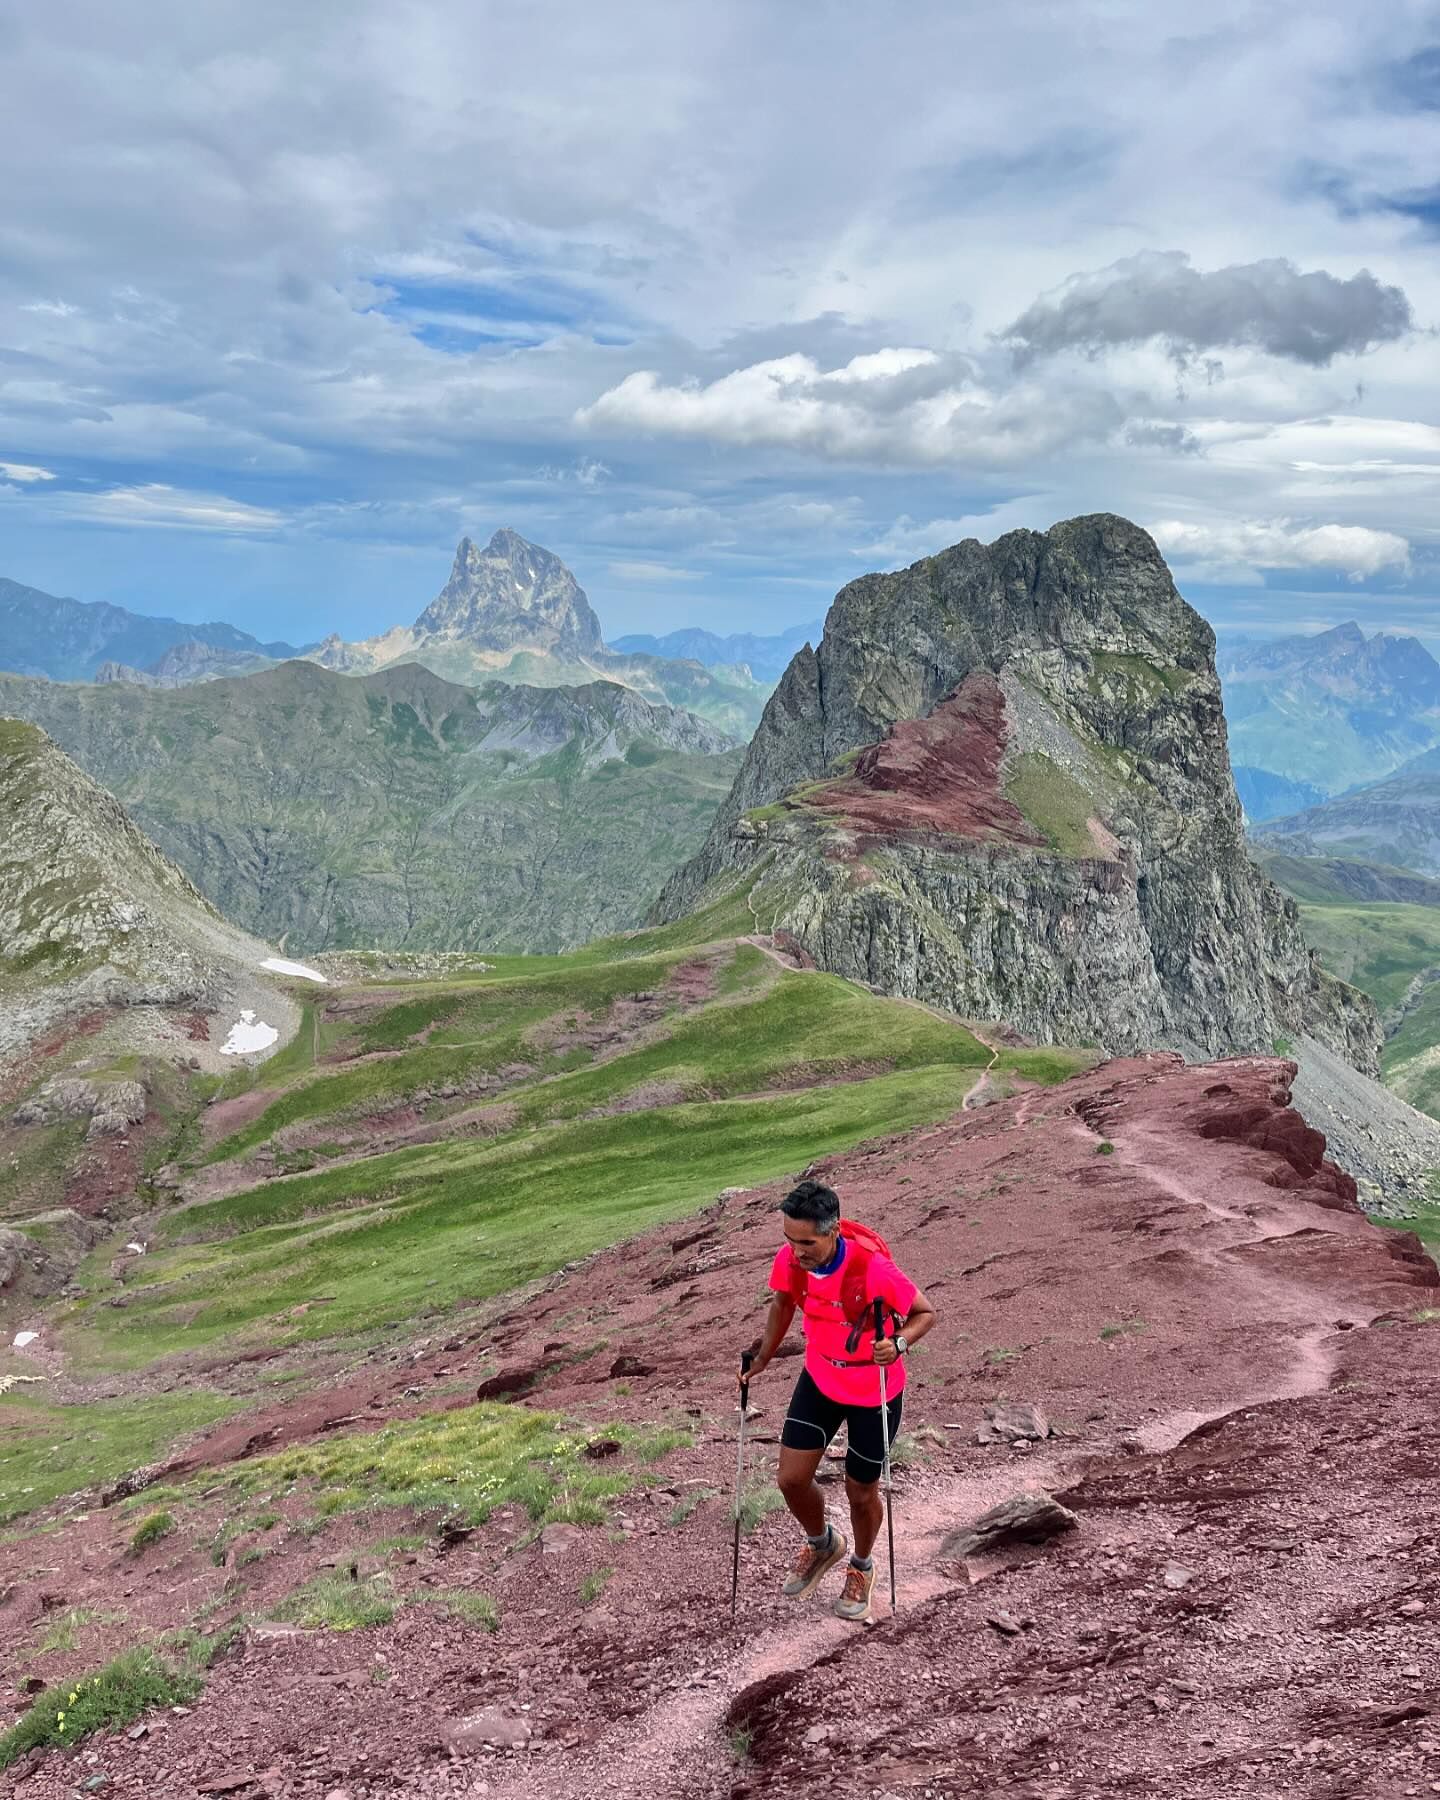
(837, 1281)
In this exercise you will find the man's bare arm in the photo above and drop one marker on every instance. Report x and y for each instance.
(920, 1319)
(777, 1323)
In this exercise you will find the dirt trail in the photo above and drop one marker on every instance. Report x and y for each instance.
(1201, 1275)
(666, 1753)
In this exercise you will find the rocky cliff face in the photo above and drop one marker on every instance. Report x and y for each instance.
(92, 914)
(1041, 824)
(511, 595)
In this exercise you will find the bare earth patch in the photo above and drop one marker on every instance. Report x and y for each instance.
(1229, 1351)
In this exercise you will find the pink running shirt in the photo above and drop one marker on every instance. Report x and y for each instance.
(827, 1328)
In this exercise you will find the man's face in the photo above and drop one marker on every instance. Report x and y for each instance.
(812, 1249)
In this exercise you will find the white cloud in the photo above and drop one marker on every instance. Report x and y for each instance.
(1355, 551)
(155, 504)
(886, 406)
(651, 571)
(26, 472)
(235, 318)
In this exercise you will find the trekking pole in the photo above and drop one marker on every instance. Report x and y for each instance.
(885, 1444)
(746, 1358)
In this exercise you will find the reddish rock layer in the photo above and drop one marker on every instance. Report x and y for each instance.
(940, 773)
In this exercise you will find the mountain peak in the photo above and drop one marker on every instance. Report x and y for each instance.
(512, 595)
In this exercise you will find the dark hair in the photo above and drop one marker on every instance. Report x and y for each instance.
(815, 1203)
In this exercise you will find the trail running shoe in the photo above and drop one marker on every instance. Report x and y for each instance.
(854, 1601)
(812, 1564)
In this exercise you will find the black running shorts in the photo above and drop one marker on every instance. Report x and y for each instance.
(813, 1419)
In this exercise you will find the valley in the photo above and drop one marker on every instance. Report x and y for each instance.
(376, 1250)
(398, 809)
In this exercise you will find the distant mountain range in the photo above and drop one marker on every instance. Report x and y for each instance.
(70, 640)
(1395, 822)
(513, 612)
(510, 612)
(766, 657)
(1332, 710)
(398, 809)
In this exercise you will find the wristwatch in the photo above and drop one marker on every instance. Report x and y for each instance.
(902, 1343)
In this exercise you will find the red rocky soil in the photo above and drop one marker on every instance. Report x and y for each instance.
(939, 773)
(1244, 1386)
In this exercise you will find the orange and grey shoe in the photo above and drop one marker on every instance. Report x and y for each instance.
(854, 1601)
(812, 1565)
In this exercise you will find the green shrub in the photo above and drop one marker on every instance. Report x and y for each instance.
(593, 1586)
(338, 1604)
(150, 1530)
(133, 1684)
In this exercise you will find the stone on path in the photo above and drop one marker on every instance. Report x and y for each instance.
(1025, 1518)
(492, 1729)
(1013, 1422)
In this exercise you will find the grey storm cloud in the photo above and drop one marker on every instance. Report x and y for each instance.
(1309, 315)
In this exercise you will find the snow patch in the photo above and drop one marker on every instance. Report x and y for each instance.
(283, 967)
(247, 1035)
(22, 1338)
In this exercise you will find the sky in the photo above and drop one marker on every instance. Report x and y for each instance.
(725, 305)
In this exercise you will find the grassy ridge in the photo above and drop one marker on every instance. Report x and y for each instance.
(1380, 947)
(739, 1075)
(409, 1234)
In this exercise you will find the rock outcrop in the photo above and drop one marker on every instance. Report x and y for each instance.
(93, 915)
(1001, 785)
(509, 595)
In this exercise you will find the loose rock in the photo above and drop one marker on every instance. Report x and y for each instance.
(1027, 1518)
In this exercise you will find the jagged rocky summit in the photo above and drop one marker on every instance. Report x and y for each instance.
(1001, 785)
(513, 612)
(509, 594)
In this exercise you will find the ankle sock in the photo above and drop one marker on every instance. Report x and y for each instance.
(864, 1563)
(825, 1541)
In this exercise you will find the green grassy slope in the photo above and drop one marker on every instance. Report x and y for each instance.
(396, 808)
(1381, 947)
(729, 1070)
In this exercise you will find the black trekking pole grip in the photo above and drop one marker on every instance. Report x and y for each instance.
(747, 1357)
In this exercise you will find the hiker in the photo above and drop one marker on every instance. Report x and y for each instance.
(835, 1271)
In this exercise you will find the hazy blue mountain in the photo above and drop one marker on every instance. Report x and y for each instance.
(1267, 796)
(1334, 710)
(767, 657)
(69, 640)
(1395, 822)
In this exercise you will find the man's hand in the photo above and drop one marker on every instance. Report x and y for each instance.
(756, 1368)
(885, 1353)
